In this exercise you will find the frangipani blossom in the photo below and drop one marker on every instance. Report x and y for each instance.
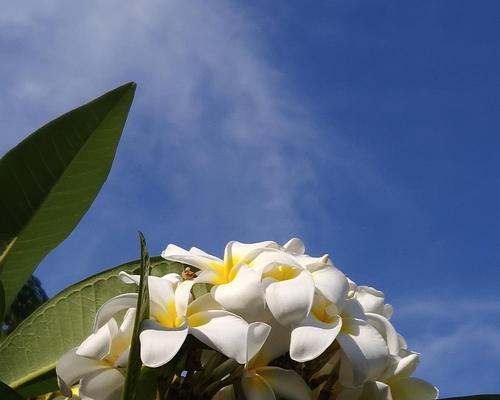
(288, 286)
(372, 300)
(173, 317)
(237, 287)
(397, 385)
(262, 382)
(328, 280)
(98, 363)
(363, 350)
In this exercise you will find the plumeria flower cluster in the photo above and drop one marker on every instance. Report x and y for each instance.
(276, 323)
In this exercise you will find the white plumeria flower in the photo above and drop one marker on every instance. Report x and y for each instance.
(237, 287)
(377, 314)
(372, 300)
(328, 280)
(288, 286)
(397, 385)
(173, 317)
(261, 382)
(364, 352)
(98, 363)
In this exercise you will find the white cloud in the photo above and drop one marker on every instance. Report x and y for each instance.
(213, 132)
(457, 339)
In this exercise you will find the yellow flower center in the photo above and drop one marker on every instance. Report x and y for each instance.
(226, 272)
(281, 273)
(320, 310)
(169, 318)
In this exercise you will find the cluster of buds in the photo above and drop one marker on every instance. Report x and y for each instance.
(276, 323)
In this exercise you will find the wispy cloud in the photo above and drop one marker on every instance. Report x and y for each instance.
(457, 338)
(216, 144)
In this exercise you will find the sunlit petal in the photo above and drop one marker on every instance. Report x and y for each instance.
(195, 259)
(244, 253)
(183, 296)
(295, 246)
(257, 335)
(224, 332)
(372, 300)
(112, 307)
(385, 328)
(312, 337)
(158, 344)
(330, 282)
(413, 389)
(98, 345)
(243, 295)
(290, 300)
(365, 351)
(406, 366)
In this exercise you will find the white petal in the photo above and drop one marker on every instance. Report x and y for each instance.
(388, 311)
(331, 283)
(312, 337)
(352, 309)
(70, 368)
(285, 383)
(195, 259)
(413, 389)
(159, 344)
(243, 295)
(161, 290)
(372, 300)
(257, 334)
(276, 344)
(224, 332)
(182, 297)
(256, 388)
(172, 277)
(366, 352)
(272, 257)
(203, 303)
(127, 324)
(406, 366)
(98, 345)
(113, 306)
(294, 246)
(198, 252)
(102, 385)
(374, 390)
(385, 328)
(290, 300)
(245, 253)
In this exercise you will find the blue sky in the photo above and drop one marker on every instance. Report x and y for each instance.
(369, 129)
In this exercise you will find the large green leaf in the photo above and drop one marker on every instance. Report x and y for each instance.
(62, 323)
(142, 312)
(50, 179)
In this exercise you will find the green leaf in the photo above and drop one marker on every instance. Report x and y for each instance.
(142, 313)
(7, 393)
(63, 322)
(147, 385)
(45, 383)
(51, 178)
